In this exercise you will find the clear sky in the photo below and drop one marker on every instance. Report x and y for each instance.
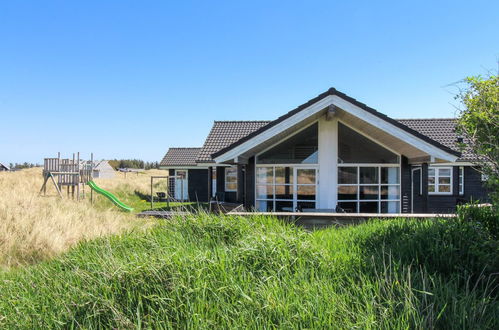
(129, 79)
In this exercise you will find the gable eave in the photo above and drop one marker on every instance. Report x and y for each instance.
(349, 104)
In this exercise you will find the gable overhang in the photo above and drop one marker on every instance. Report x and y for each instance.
(182, 167)
(416, 147)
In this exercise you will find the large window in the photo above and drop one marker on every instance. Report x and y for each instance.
(356, 148)
(301, 148)
(440, 180)
(369, 189)
(231, 178)
(285, 188)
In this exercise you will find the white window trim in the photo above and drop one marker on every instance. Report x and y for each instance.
(378, 184)
(184, 182)
(295, 185)
(461, 180)
(484, 177)
(225, 179)
(437, 184)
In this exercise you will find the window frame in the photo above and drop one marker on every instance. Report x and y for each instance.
(184, 183)
(294, 169)
(379, 185)
(382, 145)
(259, 161)
(437, 184)
(226, 175)
(461, 180)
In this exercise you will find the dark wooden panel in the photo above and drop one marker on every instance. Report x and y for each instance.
(474, 188)
(198, 185)
(405, 185)
(230, 196)
(250, 184)
(240, 184)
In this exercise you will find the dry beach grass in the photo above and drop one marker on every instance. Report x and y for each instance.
(134, 182)
(34, 228)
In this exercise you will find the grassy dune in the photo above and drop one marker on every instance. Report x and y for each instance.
(227, 272)
(33, 228)
(107, 269)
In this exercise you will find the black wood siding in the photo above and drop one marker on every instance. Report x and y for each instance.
(250, 184)
(405, 186)
(198, 185)
(229, 196)
(474, 190)
(417, 197)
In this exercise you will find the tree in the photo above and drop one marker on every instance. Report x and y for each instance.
(478, 122)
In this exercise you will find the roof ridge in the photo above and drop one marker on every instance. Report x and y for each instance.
(425, 118)
(241, 121)
(334, 92)
(185, 148)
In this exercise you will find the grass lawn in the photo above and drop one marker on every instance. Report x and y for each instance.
(141, 202)
(134, 191)
(206, 271)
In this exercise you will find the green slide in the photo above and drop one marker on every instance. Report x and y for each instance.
(110, 196)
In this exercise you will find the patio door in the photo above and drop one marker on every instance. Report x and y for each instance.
(305, 188)
(284, 188)
(416, 190)
(181, 186)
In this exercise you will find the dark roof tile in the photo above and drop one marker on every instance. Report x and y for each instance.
(180, 157)
(333, 91)
(442, 130)
(225, 133)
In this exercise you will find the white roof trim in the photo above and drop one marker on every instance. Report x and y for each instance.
(212, 165)
(348, 107)
(393, 130)
(180, 167)
(271, 132)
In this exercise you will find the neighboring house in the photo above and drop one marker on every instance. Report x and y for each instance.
(191, 180)
(103, 170)
(4, 167)
(332, 153)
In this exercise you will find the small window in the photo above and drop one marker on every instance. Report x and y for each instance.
(440, 180)
(231, 178)
(484, 177)
(461, 180)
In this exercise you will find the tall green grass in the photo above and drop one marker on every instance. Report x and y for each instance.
(206, 271)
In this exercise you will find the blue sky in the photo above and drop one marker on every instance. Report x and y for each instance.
(129, 79)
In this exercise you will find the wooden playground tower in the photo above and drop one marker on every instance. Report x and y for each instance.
(70, 173)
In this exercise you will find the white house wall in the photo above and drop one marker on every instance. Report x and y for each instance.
(328, 163)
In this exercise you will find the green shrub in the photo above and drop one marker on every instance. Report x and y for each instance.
(487, 217)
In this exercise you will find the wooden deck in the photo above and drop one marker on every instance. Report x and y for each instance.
(347, 215)
(317, 220)
(310, 220)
